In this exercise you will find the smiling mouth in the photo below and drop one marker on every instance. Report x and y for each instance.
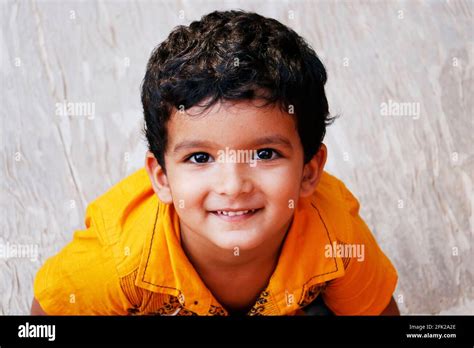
(235, 215)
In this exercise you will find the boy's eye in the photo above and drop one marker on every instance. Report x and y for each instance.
(266, 154)
(199, 157)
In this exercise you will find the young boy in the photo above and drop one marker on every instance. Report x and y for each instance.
(233, 213)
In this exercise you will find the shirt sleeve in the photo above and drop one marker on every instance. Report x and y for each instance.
(82, 278)
(370, 280)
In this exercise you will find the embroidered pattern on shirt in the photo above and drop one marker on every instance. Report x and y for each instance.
(311, 294)
(217, 311)
(259, 305)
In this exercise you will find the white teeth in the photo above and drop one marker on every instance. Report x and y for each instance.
(234, 213)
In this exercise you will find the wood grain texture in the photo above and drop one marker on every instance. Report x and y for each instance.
(413, 174)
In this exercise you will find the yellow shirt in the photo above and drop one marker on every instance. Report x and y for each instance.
(129, 260)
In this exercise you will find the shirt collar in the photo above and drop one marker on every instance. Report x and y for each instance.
(302, 263)
(164, 267)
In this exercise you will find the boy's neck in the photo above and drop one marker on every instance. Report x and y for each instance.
(236, 282)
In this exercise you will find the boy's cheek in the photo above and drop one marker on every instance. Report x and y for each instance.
(190, 199)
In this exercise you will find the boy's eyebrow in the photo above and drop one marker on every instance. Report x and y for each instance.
(273, 140)
(191, 144)
(267, 140)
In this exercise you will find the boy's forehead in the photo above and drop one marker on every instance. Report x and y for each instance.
(235, 122)
(225, 108)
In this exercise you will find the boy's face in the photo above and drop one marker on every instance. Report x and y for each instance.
(234, 157)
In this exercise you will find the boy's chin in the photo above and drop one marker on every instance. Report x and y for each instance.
(238, 240)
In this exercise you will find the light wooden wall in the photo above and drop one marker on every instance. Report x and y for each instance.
(412, 174)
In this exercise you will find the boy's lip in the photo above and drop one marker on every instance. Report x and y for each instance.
(235, 218)
(233, 209)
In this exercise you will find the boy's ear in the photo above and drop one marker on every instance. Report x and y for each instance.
(158, 178)
(313, 171)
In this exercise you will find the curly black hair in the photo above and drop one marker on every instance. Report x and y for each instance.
(235, 55)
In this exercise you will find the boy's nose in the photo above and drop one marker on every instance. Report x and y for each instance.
(233, 179)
